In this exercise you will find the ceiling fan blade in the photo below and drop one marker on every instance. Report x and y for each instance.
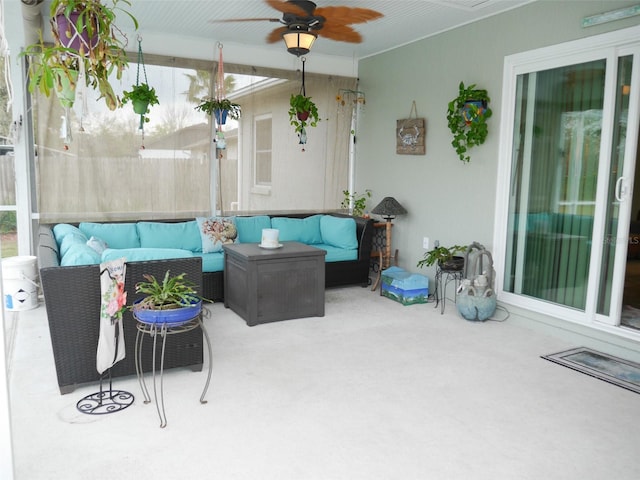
(347, 15)
(287, 7)
(339, 33)
(276, 35)
(235, 20)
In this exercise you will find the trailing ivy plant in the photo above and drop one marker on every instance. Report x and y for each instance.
(467, 116)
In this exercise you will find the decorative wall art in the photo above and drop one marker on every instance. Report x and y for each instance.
(411, 134)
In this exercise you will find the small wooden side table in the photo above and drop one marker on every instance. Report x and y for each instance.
(382, 249)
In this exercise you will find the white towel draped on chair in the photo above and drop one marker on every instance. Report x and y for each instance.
(113, 298)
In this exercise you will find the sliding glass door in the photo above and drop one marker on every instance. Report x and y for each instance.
(573, 137)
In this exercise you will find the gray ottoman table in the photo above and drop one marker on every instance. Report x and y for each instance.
(268, 285)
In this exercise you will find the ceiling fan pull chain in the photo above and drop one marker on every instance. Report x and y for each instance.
(303, 91)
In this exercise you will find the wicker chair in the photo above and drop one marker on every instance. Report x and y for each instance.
(72, 302)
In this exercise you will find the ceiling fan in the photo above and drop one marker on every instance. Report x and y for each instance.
(302, 21)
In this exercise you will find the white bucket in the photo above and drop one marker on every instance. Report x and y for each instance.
(19, 275)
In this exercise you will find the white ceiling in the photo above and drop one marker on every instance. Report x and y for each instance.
(404, 21)
(179, 24)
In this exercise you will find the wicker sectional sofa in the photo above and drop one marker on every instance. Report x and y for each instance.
(72, 300)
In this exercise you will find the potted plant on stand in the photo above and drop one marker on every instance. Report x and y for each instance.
(467, 116)
(445, 257)
(173, 301)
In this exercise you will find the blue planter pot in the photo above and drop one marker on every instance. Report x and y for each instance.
(221, 116)
(472, 110)
(173, 317)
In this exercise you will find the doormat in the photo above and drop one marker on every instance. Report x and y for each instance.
(611, 369)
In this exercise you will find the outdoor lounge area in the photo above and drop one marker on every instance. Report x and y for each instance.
(361, 137)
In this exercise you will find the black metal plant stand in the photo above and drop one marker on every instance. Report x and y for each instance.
(443, 278)
(162, 330)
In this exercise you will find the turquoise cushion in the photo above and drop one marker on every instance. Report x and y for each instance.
(80, 254)
(250, 228)
(338, 232)
(337, 254)
(182, 235)
(305, 230)
(62, 229)
(117, 235)
(215, 232)
(212, 262)
(71, 239)
(144, 254)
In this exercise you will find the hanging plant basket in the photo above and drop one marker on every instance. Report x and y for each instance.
(141, 95)
(140, 106)
(221, 116)
(65, 86)
(302, 112)
(467, 116)
(72, 37)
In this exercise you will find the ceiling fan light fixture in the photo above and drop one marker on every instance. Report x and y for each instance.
(299, 42)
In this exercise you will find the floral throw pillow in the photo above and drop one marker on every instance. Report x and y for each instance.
(215, 232)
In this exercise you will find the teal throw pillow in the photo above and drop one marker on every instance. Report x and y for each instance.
(63, 229)
(80, 254)
(71, 239)
(116, 235)
(215, 232)
(183, 235)
(339, 232)
(144, 254)
(305, 230)
(250, 228)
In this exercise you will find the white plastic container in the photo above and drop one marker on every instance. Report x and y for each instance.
(19, 275)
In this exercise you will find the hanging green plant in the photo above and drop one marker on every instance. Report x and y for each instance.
(467, 116)
(210, 105)
(84, 31)
(303, 112)
(141, 97)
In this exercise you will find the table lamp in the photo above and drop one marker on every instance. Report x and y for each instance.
(388, 208)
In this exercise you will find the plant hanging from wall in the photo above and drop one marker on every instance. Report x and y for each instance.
(467, 116)
(220, 107)
(142, 96)
(303, 111)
